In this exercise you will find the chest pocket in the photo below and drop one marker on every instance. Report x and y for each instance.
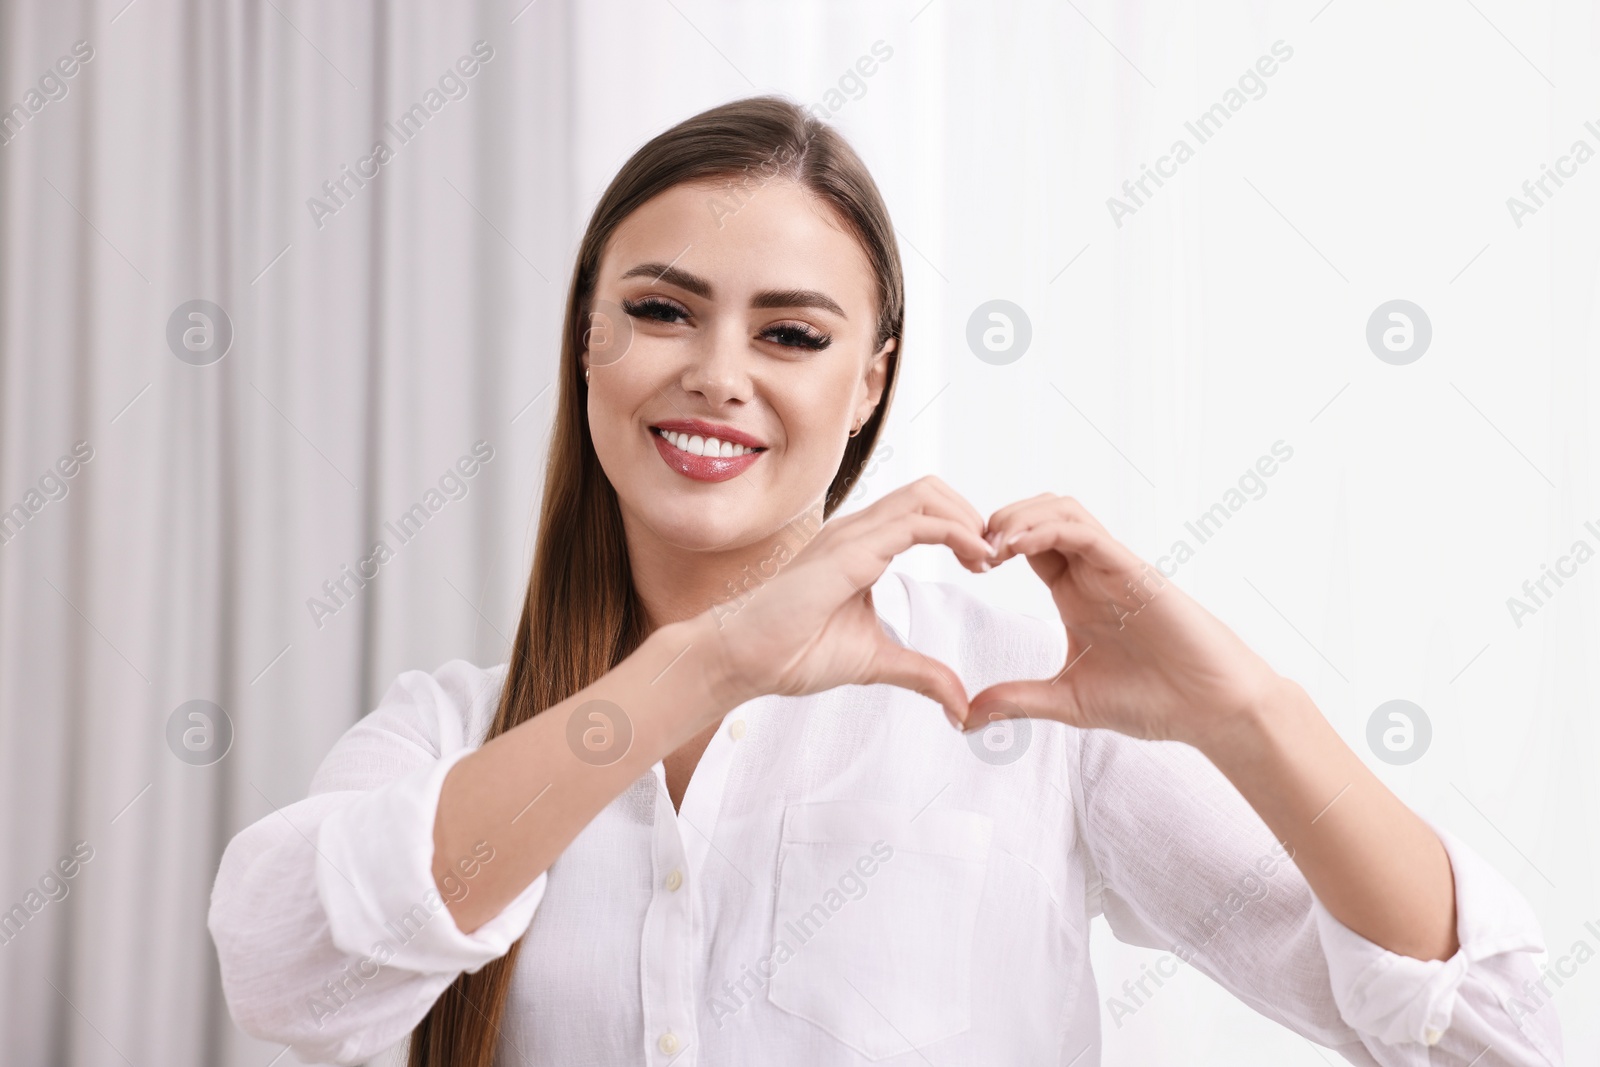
(876, 907)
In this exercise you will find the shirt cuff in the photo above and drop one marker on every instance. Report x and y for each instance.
(1398, 998)
(375, 880)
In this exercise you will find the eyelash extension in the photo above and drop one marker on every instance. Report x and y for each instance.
(789, 335)
(644, 309)
(799, 337)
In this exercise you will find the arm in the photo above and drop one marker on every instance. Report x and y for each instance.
(305, 955)
(527, 793)
(1244, 915)
(1146, 661)
(1378, 868)
(335, 917)
(805, 631)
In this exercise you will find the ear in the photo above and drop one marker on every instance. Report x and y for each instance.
(877, 376)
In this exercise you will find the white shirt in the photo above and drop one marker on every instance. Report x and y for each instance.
(849, 881)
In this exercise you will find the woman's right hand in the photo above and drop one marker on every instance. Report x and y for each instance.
(814, 627)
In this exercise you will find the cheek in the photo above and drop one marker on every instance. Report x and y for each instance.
(646, 370)
(611, 421)
(618, 398)
(820, 406)
(816, 412)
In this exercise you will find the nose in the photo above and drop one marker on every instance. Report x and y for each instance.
(720, 365)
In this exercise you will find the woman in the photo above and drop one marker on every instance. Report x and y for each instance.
(706, 813)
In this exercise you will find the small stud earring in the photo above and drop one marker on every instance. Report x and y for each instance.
(586, 375)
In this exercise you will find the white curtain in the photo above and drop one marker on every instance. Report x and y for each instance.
(359, 337)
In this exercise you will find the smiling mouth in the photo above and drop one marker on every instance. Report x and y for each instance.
(695, 445)
(703, 459)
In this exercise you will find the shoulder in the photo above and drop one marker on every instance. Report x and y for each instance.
(984, 642)
(422, 715)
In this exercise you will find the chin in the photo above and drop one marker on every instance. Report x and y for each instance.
(699, 524)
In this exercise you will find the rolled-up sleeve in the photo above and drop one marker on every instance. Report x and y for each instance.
(375, 879)
(1399, 999)
(1179, 860)
(331, 934)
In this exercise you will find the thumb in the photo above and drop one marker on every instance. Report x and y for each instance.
(906, 667)
(1033, 699)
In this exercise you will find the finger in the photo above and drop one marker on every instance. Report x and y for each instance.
(917, 513)
(860, 554)
(1006, 515)
(865, 559)
(1033, 699)
(922, 496)
(1033, 512)
(907, 668)
(1069, 537)
(962, 503)
(931, 496)
(891, 539)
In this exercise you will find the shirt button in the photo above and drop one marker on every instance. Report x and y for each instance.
(736, 729)
(674, 880)
(668, 1043)
(1432, 1036)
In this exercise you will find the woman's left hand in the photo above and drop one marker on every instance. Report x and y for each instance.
(1146, 660)
(1142, 657)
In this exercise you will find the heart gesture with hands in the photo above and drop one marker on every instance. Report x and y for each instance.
(1142, 658)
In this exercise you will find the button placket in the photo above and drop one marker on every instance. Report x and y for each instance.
(667, 953)
(702, 798)
(675, 924)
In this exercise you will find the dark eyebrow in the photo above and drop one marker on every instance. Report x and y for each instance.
(767, 298)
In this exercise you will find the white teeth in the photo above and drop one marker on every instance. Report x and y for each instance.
(704, 446)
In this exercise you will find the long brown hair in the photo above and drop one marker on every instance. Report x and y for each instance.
(582, 616)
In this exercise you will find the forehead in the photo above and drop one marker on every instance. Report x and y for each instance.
(744, 236)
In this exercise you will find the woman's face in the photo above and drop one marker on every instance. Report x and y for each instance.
(747, 314)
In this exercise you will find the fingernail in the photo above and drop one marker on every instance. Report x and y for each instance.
(1013, 538)
(983, 565)
(955, 722)
(991, 539)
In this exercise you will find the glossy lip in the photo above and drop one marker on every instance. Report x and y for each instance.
(701, 468)
(701, 428)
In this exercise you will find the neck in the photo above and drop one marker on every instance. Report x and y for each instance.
(676, 583)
